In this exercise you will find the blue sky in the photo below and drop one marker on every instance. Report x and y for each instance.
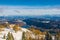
(29, 7)
(30, 2)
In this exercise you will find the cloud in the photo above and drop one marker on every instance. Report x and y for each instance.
(29, 10)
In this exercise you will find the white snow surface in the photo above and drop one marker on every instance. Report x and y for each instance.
(17, 35)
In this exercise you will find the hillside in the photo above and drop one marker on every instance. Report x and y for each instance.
(19, 33)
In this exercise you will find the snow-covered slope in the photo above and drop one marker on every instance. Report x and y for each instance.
(17, 35)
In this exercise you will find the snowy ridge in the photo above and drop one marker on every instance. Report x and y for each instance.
(17, 35)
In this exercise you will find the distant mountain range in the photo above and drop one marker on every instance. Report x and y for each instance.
(42, 21)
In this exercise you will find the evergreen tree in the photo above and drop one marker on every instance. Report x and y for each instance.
(10, 36)
(58, 36)
(4, 37)
(23, 36)
(30, 38)
(48, 36)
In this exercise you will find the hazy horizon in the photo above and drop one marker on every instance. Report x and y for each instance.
(29, 7)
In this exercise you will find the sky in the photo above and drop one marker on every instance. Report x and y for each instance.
(29, 7)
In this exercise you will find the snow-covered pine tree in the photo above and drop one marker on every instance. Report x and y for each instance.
(10, 36)
(4, 37)
(23, 36)
(48, 36)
